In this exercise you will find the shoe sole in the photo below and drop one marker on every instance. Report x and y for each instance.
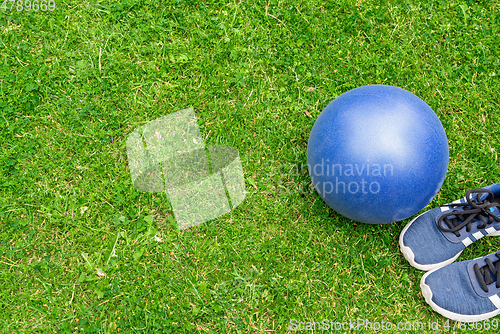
(427, 293)
(410, 256)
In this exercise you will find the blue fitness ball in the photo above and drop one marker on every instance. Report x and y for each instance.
(377, 154)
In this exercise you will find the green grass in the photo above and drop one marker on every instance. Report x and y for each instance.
(76, 81)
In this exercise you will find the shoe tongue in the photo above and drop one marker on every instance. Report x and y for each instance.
(486, 196)
(495, 211)
(485, 274)
(483, 196)
(491, 278)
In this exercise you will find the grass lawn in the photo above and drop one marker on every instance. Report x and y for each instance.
(78, 252)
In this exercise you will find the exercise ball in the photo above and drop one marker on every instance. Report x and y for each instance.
(377, 154)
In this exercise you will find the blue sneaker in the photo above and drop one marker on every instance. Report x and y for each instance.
(466, 291)
(437, 237)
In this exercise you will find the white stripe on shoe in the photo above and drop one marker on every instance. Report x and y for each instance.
(490, 230)
(446, 208)
(495, 300)
(467, 241)
(478, 235)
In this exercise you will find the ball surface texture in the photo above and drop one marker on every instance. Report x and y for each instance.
(377, 154)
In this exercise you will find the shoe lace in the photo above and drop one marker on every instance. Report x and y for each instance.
(477, 209)
(484, 274)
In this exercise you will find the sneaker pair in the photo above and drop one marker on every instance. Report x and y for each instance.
(466, 291)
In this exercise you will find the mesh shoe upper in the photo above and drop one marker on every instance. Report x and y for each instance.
(438, 236)
(427, 241)
(452, 290)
